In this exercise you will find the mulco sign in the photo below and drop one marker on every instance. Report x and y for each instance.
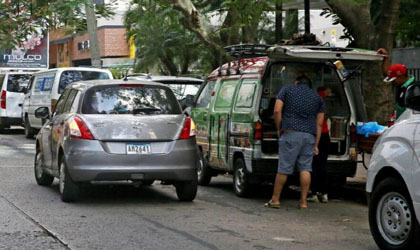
(26, 58)
(32, 54)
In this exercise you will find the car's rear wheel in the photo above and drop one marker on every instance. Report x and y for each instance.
(69, 190)
(391, 216)
(42, 178)
(186, 190)
(241, 184)
(204, 173)
(29, 132)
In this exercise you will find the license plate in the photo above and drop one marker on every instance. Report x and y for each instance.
(138, 149)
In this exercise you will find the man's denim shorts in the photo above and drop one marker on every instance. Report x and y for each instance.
(295, 149)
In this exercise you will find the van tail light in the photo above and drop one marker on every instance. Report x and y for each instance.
(78, 129)
(3, 99)
(353, 134)
(258, 130)
(188, 131)
(53, 103)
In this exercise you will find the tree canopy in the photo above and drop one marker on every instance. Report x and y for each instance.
(19, 19)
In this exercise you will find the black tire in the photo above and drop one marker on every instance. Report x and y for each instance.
(29, 132)
(42, 178)
(147, 182)
(69, 190)
(204, 172)
(186, 190)
(392, 219)
(241, 184)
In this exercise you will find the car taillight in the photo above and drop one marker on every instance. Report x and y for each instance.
(3, 99)
(188, 131)
(53, 103)
(78, 129)
(258, 131)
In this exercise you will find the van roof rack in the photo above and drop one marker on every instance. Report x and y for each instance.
(247, 50)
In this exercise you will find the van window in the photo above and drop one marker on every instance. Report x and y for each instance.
(44, 83)
(225, 95)
(203, 100)
(17, 83)
(70, 76)
(246, 94)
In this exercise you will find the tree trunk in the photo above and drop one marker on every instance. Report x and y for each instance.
(356, 17)
(279, 21)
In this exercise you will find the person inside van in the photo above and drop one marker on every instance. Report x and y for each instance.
(299, 115)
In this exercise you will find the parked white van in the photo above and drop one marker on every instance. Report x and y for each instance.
(12, 93)
(46, 87)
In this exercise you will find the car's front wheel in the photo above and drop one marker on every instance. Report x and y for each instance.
(69, 190)
(186, 190)
(42, 178)
(391, 216)
(29, 132)
(204, 173)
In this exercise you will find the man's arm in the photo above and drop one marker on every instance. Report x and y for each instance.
(278, 109)
(386, 62)
(319, 123)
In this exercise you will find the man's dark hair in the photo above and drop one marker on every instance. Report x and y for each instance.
(304, 79)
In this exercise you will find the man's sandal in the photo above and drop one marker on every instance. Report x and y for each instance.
(270, 204)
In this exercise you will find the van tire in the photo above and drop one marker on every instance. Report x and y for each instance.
(204, 172)
(241, 184)
(69, 190)
(42, 178)
(29, 132)
(186, 190)
(392, 195)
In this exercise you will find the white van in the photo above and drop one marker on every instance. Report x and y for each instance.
(46, 87)
(12, 93)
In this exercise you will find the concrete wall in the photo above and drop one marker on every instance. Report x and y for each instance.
(410, 57)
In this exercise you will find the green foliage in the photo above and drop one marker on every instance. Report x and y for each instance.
(161, 40)
(19, 19)
(408, 23)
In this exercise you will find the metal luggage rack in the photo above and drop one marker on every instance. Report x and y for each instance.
(241, 51)
(247, 50)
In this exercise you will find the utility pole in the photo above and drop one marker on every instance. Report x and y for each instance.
(279, 21)
(307, 17)
(93, 36)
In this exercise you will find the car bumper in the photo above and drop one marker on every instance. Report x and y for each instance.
(11, 121)
(88, 161)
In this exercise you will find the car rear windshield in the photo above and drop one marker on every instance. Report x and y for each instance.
(126, 99)
(70, 76)
(181, 90)
(17, 83)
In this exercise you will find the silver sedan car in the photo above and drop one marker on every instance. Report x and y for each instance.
(115, 130)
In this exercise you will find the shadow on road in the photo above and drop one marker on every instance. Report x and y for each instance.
(13, 131)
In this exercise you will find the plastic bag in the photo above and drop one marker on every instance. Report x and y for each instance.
(370, 128)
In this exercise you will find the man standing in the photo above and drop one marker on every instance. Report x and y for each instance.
(397, 74)
(298, 114)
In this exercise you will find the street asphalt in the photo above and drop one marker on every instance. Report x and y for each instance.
(125, 217)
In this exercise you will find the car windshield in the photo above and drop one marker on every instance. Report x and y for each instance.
(70, 76)
(130, 99)
(17, 83)
(182, 90)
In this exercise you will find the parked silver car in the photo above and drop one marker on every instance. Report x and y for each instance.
(114, 130)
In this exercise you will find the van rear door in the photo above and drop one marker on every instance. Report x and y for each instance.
(16, 85)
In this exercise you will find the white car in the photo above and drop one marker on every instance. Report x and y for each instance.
(393, 180)
(12, 93)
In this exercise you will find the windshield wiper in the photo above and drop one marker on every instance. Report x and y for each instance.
(145, 110)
